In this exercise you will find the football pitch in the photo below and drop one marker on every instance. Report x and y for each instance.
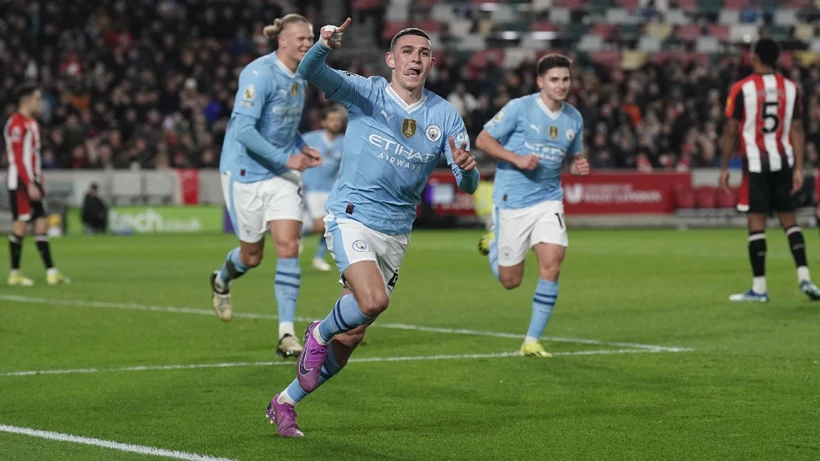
(650, 361)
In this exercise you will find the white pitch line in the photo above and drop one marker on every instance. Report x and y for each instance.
(197, 366)
(126, 447)
(395, 326)
(411, 358)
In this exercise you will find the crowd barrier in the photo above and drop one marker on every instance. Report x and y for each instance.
(191, 200)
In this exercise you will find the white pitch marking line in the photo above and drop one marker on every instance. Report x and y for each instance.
(395, 326)
(127, 447)
(355, 359)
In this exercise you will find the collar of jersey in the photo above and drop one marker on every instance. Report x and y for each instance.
(550, 114)
(409, 108)
(283, 66)
(326, 139)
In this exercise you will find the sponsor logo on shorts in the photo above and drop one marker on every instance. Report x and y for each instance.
(506, 252)
(361, 245)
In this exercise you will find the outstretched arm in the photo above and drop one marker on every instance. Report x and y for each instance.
(315, 71)
(345, 88)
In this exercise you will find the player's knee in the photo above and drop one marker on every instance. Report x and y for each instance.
(251, 259)
(550, 271)
(510, 281)
(287, 248)
(373, 304)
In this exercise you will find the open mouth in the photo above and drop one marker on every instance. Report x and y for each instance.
(413, 72)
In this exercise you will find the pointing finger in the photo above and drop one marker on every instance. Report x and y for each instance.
(344, 26)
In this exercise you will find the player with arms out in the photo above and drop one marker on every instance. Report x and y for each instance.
(25, 184)
(396, 134)
(318, 182)
(261, 156)
(532, 137)
(764, 111)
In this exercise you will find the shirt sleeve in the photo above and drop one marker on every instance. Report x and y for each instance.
(467, 181)
(348, 89)
(503, 124)
(253, 91)
(577, 146)
(734, 103)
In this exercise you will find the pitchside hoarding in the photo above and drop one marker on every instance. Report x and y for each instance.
(596, 194)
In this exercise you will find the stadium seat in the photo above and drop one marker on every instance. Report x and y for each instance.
(650, 44)
(706, 197)
(661, 30)
(633, 60)
(619, 16)
(726, 200)
(742, 33)
(608, 58)
(443, 13)
(560, 15)
(721, 31)
(590, 43)
(689, 32)
(677, 17)
(729, 17)
(708, 44)
(785, 17)
(540, 6)
(685, 198)
(736, 5)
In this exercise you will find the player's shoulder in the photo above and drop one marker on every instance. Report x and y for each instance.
(260, 68)
(572, 112)
(738, 85)
(312, 134)
(16, 119)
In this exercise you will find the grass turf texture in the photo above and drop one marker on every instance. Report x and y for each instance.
(748, 390)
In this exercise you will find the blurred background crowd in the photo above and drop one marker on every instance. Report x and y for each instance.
(145, 84)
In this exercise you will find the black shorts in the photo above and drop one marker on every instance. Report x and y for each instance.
(23, 208)
(767, 191)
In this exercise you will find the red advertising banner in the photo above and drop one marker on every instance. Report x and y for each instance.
(623, 193)
(599, 193)
(189, 182)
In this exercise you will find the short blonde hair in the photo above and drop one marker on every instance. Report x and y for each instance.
(272, 31)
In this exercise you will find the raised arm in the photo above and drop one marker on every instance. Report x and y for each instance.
(315, 71)
(345, 88)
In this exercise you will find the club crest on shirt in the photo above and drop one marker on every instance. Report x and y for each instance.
(433, 133)
(250, 92)
(570, 134)
(553, 132)
(294, 89)
(408, 128)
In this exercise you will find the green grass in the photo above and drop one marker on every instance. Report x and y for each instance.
(747, 390)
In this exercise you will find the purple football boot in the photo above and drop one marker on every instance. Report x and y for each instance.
(284, 416)
(309, 365)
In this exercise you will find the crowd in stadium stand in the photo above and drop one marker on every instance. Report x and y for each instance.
(150, 84)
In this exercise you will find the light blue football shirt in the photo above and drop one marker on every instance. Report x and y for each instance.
(273, 96)
(526, 126)
(321, 178)
(390, 147)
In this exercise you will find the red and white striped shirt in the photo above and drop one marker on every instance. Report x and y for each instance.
(23, 151)
(765, 105)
